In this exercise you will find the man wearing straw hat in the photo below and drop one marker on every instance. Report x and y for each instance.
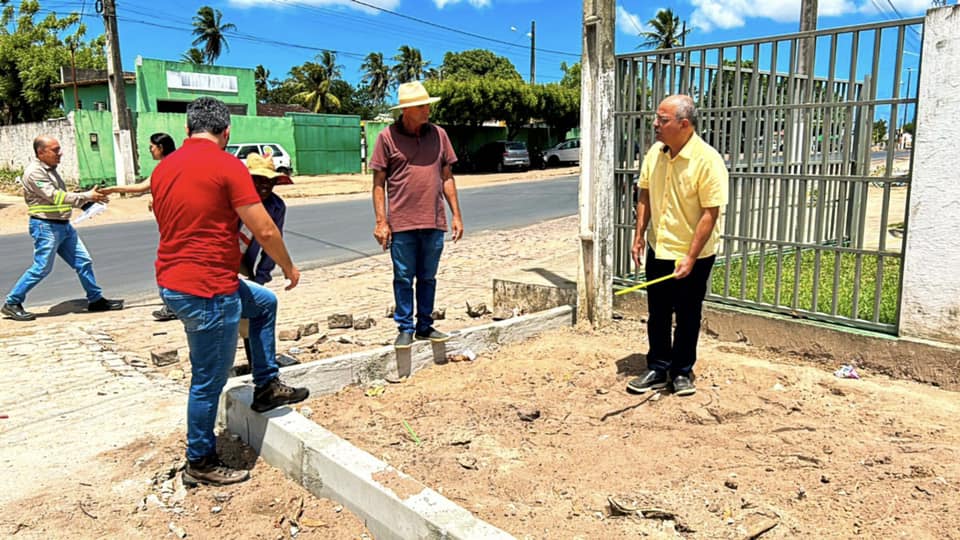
(412, 166)
(683, 185)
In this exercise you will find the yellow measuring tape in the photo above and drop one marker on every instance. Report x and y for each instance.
(644, 285)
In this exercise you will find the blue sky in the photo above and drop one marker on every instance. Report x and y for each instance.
(282, 33)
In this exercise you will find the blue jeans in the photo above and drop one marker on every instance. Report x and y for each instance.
(55, 238)
(415, 254)
(211, 325)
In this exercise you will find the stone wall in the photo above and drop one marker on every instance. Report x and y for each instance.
(16, 145)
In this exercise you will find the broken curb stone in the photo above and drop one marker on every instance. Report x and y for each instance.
(340, 320)
(364, 323)
(164, 357)
(310, 329)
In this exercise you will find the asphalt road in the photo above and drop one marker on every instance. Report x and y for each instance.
(316, 234)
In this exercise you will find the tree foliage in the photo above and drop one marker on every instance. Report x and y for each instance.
(409, 66)
(31, 54)
(193, 55)
(665, 32)
(879, 130)
(313, 83)
(210, 30)
(477, 63)
(261, 81)
(571, 75)
(376, 76)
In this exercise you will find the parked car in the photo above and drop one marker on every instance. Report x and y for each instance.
(565, 152)
(280, 156)
(501, 155)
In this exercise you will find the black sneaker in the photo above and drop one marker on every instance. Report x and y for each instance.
(432, 334)
(651, 380)
(683, 386)
(105, 305)
(275, 394)
(17, 313)
(164, 314)
(212, 471)
(404, 340)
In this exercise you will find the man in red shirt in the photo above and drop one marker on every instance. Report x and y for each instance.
(412, 166)
(199, 193)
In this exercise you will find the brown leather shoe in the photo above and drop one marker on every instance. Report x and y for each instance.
(212, 471)
(105, 305)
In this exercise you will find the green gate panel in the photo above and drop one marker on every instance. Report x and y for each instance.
(326, 143)
(94, 138)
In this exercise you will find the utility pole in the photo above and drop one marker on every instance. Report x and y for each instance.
(533, 52)
(123, 145)
(598, 90)
(73, 75)
(906, 108)
(808, 22)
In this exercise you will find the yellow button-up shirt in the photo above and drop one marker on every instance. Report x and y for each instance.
(680, 188)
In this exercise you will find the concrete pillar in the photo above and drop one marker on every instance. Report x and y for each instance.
(930, 306)
(598, 90)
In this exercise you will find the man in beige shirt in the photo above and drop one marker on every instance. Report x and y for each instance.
(50, 206)
(683, 186)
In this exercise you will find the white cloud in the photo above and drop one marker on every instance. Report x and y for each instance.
(475, 3)
(385, 4)
(628, 23)
(721, 14)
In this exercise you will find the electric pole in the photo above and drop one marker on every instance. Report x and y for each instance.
(123, 145)
(598, 88)
(533, 52)
(808, 23)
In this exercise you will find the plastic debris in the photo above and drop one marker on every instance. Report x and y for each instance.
(846, 371)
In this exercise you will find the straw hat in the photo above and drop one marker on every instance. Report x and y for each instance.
(413, 94)
(263, 166)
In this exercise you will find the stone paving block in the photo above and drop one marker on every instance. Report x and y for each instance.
(164, 357)
(340, 320)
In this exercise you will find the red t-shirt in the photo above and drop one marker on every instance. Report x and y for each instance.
(413, 163)
(196, 191)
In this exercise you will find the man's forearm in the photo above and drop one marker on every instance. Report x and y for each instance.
(380, 196)
(705, 225)
(450, 193)
(643, 212)
(272, 244)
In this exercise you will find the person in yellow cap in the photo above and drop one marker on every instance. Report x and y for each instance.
(412, 164)
(265, 178)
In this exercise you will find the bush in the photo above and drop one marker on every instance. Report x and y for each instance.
(8, 180)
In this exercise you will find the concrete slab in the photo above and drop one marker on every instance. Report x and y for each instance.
(538, 286)
(393, 504)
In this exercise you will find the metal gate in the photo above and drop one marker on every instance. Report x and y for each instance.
(816, 218)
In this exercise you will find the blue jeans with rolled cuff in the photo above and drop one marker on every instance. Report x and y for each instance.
(211, 325)
(416, 257)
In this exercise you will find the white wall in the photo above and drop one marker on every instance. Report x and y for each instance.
(931, 284)
(16, 145)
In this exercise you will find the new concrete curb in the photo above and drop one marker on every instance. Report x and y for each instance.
(392, 504)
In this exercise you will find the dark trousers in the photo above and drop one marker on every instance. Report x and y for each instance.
(677, 353)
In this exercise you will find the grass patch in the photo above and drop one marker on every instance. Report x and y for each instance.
(8, 182)
(889, 292)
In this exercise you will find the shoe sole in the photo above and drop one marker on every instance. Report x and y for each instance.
(264, 408)
(687, 392)
(432, 340)
(192, 481)
(18, 318)
(658, 386)
(407, 346)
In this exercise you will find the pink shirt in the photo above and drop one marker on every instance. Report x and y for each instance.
(413, 163)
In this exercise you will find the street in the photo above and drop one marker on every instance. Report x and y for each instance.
(316, 234)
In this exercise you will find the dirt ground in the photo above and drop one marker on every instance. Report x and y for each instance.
(537, 437)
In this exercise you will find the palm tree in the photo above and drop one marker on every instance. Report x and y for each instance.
(376, 75)
(210, 32)
(313, 87)
(667, 31)
(193, 56)
(409, 65)
(261, 78)
(328, 61)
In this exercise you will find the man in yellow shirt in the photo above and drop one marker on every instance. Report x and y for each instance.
(683, 185)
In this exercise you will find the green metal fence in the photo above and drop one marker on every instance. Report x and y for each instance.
(326, 143)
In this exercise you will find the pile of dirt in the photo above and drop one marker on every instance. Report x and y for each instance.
(541, 440)
(137, 492)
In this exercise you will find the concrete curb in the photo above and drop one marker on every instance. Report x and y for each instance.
(392, 504)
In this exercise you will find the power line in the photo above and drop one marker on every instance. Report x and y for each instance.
(451, 29)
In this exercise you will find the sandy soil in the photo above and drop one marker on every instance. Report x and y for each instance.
(537, 437)
(305, 190)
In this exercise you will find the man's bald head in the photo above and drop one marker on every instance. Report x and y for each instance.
(47, 150)
(682, 108)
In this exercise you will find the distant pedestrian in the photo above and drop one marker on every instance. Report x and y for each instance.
(412, 164)
(50, 206)
(683, 186)
(161, 146)
(199, 193)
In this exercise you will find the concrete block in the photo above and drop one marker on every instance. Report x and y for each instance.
(340, 320)
(164, 357)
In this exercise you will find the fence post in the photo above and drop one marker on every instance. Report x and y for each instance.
(930, 306)
(595, 269)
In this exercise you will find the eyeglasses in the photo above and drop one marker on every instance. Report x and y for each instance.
(663, 119)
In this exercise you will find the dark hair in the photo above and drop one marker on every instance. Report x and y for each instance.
(164, 142)
(207, 115)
